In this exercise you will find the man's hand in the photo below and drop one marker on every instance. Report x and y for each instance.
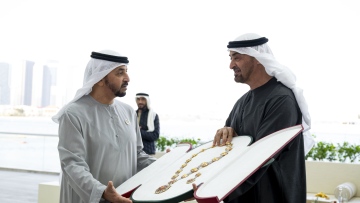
(223, 135)
(111, 195)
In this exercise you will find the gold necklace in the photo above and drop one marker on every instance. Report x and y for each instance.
(174, 178)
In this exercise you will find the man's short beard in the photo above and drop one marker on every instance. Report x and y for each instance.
(119, 94)
(246, 73)
(114, 89)
(239, 79)
(142, 108)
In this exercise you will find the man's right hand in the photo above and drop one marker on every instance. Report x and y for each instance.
(223, 136)
(111, 195)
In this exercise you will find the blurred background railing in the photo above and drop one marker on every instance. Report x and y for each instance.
(28, 151)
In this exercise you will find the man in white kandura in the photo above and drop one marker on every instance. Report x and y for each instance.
(100, 143)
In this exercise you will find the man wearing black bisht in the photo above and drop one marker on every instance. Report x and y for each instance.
(274, 102)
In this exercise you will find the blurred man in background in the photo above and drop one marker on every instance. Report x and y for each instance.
(148, 122)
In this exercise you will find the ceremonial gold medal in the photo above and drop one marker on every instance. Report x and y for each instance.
(174, 178)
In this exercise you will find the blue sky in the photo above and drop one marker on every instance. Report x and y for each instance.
(177, 49)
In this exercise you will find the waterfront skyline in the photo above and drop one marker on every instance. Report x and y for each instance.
(30, 83)
(181, 60)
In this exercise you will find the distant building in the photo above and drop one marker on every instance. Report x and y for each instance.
(49, 81)
(5, 93)
(28, 83)
(36, 84)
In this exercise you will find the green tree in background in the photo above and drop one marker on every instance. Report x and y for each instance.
(162, 143)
